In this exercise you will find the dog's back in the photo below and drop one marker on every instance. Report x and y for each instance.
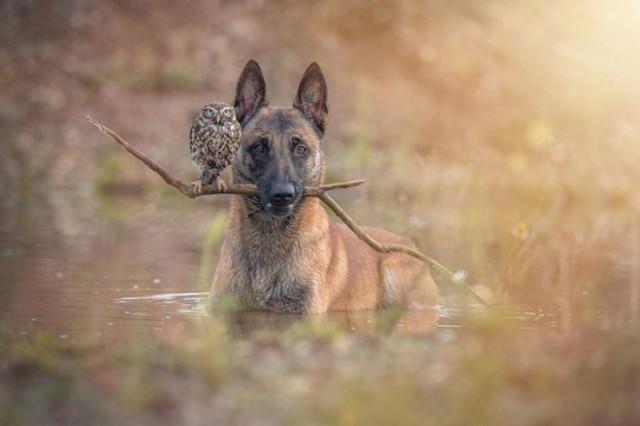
(281, 252)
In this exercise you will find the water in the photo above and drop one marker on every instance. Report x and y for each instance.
(150, 268)
(115, 295)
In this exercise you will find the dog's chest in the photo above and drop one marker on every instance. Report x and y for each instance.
(269, 277)
(277, 287)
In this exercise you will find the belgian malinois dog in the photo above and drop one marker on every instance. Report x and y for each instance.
(281, 252)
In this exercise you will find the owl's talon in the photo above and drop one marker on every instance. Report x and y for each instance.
(221, 184)
(197, 186)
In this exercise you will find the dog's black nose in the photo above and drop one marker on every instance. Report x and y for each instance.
(282, 194)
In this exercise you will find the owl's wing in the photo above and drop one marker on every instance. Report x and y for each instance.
(237, 131)
(195, 129)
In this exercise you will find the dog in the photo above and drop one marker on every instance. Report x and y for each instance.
(281, 252)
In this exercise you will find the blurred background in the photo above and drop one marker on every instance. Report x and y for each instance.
(502, 136)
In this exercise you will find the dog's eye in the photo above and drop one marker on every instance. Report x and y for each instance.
(259, 147)
(301, 149)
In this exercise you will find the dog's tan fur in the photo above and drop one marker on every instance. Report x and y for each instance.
(289, 257)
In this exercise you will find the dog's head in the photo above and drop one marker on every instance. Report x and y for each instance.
(280, 147)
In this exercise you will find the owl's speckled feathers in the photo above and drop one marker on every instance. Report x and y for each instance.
(214, 138)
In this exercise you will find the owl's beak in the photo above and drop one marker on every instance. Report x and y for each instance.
(218, 119)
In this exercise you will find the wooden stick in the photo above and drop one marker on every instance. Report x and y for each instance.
(320, 192)
(388, 248)
(189, 191)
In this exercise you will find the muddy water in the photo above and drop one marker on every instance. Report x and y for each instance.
(113, 270)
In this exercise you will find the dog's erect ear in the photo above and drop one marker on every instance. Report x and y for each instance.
(312, 98)
(250, 92)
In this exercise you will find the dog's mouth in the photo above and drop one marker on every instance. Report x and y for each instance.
(280, 200)
(279, 211)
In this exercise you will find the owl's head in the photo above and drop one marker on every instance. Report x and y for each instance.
(219, 113)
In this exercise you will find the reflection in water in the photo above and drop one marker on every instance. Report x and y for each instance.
(243, 324)
(247, 323)
(185, 303)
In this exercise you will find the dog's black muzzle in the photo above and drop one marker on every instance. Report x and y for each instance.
(280, 199)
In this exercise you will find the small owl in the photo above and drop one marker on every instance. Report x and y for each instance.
(214, 138)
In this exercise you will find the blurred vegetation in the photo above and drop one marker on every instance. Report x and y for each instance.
(119, 174)
(214, 237)
(482, 374)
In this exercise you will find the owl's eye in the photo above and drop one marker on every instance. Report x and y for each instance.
(227, 112)
(209, 112)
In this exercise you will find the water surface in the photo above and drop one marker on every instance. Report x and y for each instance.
(149, 268)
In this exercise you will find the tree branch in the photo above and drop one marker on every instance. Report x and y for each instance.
(320, 192)
(388, 248)
(189, 191)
